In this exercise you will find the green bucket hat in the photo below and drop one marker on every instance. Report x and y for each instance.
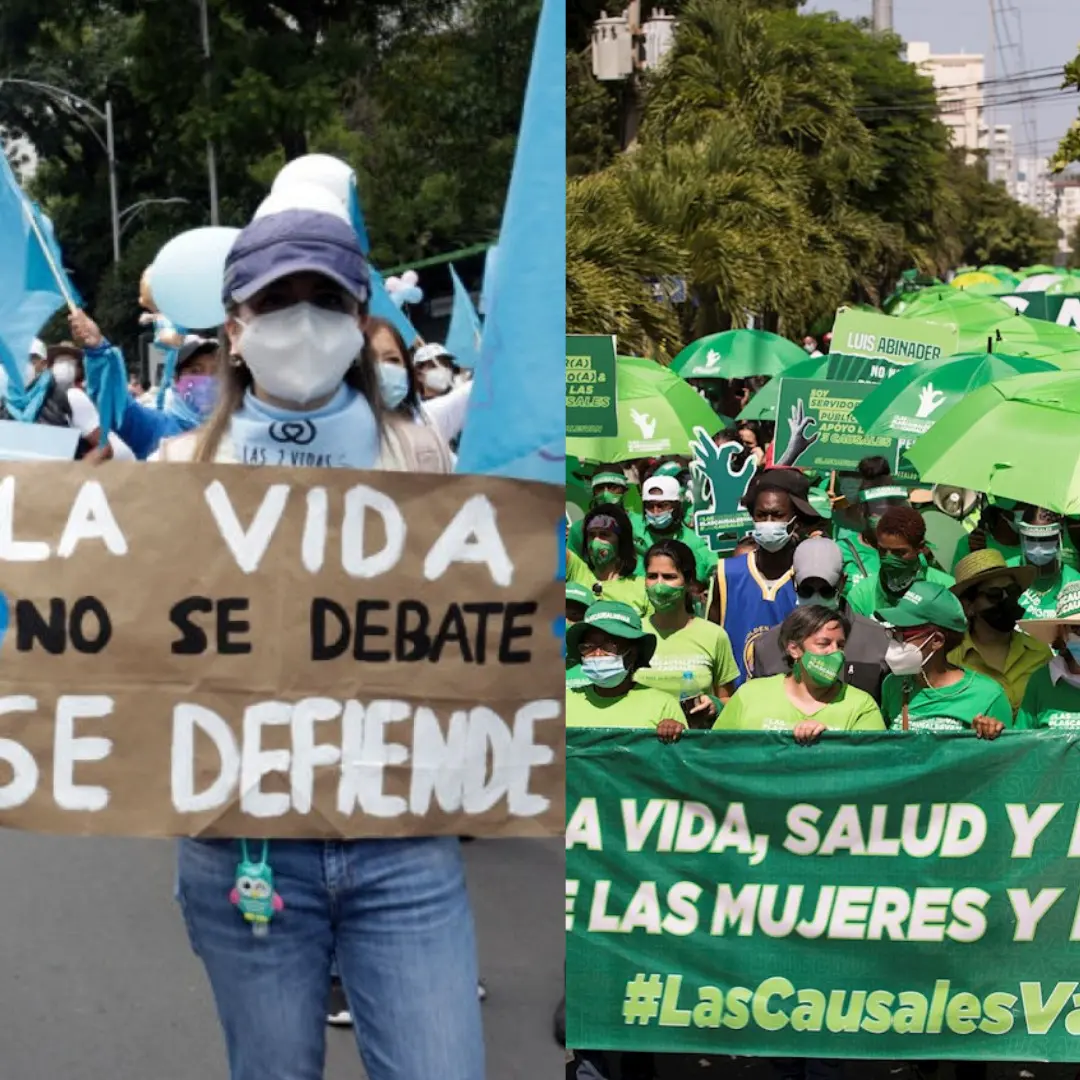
(576, 593)
(926, 604)
(618, 620)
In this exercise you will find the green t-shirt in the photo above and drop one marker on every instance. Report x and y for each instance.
(850, 546)
(948, 708)
(700, 647)
(705, 558)
(1010, 551)
(577, 569)
(763, 705)
(1049, 704)
(869, 596)
(1040, 601)
(642, 707)
(626, 591)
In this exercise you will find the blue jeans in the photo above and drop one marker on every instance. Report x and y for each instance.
(396, 915)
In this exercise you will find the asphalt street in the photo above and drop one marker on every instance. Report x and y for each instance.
(97, 981)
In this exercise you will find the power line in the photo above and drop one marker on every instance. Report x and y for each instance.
(961, 104)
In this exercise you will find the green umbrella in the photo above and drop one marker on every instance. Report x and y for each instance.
(999, 287)
(1038, 268)
(910, 402)
(956, 306)
(737, 354)
(658, 412)
(1020, 335)
(1019, 439)
(997, 270)
(762, 406)
(1066, 286)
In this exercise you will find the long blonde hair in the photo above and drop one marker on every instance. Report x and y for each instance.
(234, 378)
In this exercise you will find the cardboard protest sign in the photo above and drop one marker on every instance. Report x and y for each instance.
(877, 896)
(199, 650)
(869, 346)
(821, 432)
(718, 489)
(590, 387)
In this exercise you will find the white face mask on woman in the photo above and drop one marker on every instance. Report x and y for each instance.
(64, 373)
(437, 379)
(300, 353)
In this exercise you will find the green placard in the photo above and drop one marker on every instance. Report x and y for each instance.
(869, 346)
(894, 895)
(590, 386)
(717, 489)
(815, 428)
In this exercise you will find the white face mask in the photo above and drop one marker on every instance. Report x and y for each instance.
(905, 658)
(63, 372)
(437, 379)
(300, 353)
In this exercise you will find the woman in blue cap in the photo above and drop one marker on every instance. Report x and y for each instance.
(297, 388)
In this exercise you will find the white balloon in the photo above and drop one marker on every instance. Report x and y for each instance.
(300, 196)
(410, 278)
(322, 170)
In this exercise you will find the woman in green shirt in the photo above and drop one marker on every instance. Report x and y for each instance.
(611, 646)
(1052, 697)
(925, 692)
(811, 699)
(611, 557)
(1041, 537)
(693, 660)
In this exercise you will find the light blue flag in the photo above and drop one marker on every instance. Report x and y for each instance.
(27, 299)
(39, 274)
(516, 424)
(488, 287)
(466, 331)
(356, 214)
(382, 304)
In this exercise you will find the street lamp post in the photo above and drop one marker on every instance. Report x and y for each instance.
(65, 98)
(211, 157)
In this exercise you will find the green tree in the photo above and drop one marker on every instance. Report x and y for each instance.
(1069, 149)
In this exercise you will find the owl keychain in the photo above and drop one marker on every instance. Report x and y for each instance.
(253, 892)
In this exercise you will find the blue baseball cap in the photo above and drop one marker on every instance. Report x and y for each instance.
(295, 242)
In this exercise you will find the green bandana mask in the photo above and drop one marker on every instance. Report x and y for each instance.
(665, 597)
(898, 575)
(822, 668)
(602, 552)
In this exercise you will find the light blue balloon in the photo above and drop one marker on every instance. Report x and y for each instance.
(186, 277)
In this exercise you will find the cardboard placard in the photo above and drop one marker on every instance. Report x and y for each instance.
(591, 409)
(211, 651)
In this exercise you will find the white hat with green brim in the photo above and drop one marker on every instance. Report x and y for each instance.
(1066, 613)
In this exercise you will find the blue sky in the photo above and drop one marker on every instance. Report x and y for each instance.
(1048, 30)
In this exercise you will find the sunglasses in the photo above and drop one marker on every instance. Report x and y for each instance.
(806, 590)
(998, 595)
(593, 649)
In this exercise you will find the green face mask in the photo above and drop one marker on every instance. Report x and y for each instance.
(665, 597)
(608, 498)
(897, 574)
(821, 668)
(602, 552)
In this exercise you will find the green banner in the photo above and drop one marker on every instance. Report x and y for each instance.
(1063, 310)
(815, 428)
(717, 489)
(590, 386)
(872, 896)
(869, 346)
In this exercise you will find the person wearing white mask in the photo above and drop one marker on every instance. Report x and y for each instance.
(445, 403)
(926, 692)
(298, 388)
(435, 368)
(754, 592)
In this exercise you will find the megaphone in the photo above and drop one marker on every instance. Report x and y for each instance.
(956, 502)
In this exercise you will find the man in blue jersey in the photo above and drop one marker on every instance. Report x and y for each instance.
(752, 593)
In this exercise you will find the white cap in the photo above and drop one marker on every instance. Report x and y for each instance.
(662, 489)
(426, 354)
(37, 348)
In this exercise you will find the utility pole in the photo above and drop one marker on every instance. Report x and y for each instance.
(883, 15)
(211, 158)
